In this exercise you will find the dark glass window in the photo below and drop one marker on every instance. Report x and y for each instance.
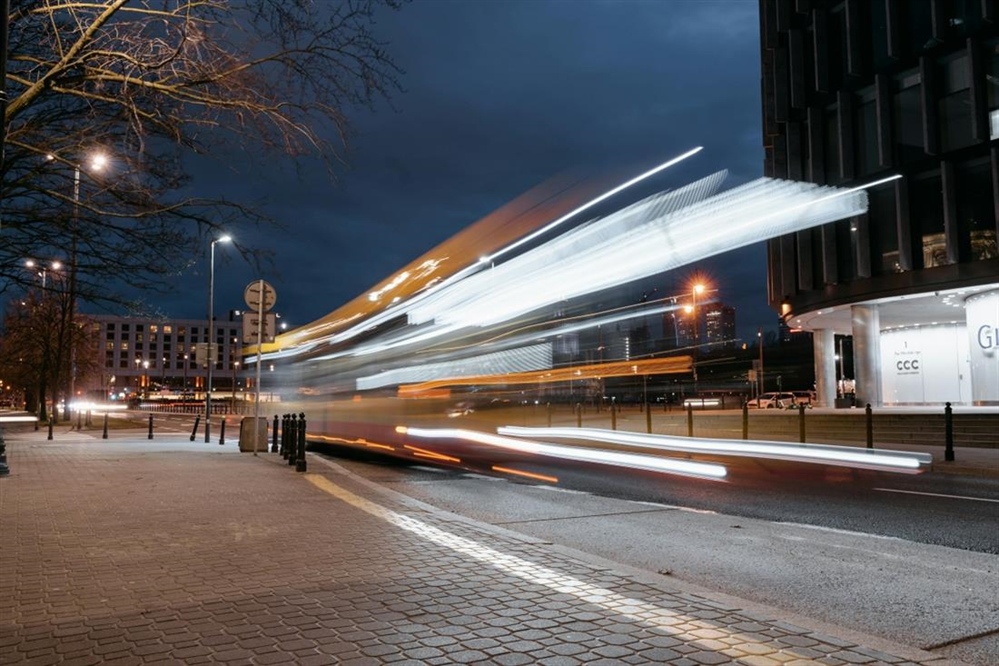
(809, 61)
(846, 249)
(879, 36)
(124, 327)
(884, 229)
(110, 335)
(918, 30)
(865, 133)
(992, 87)
(831, 148)
(836, 52)
(110, 326)
(955, 103)
(908, 113)
(975, 210)
(926, 211)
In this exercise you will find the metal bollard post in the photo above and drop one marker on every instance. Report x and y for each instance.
(284, 436)
(648, 418)
(293, 440)
(105, 435)
(194, 431)
(150, 426)
(548, 408)
(690, 420)
(79, 420)
(870, 426)
(613, 416)
(300, 460)
(274, 436)
(51, 425)
(579, 415)
(745, 420)
(948, 433)
(801, 423)
(222, 432)
(89, 422)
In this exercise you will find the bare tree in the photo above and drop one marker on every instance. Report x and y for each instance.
(154, 84)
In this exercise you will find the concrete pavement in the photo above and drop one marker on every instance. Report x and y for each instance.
(166, 551)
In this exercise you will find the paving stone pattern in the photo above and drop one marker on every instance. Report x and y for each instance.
(117, 552)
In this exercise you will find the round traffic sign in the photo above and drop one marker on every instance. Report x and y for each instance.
(257, 301)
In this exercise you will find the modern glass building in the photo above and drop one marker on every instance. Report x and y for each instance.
(857, 90)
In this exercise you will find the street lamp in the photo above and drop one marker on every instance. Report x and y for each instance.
(43, 269)
(96, 162)
(695, 290)
(211, 328)
(145, 379)
(235, 369)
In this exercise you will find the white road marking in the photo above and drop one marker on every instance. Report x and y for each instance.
(916, 492)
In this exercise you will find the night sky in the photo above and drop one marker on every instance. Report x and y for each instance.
(498, 97)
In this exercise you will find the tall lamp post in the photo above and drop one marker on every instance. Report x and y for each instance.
(694, 291)
(211, 328)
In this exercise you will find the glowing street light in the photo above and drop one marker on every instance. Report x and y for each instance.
(211, 329)
(42, 268)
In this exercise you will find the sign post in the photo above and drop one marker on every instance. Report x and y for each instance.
(260, 297)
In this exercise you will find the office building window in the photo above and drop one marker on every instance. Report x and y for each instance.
(955, 103)
(124, 345)
(879, 36)
(926, 211)
(975, 210)
(992, 87)
(882, 213)
(865, 133)
(917, 26)
(831, 146)
(167, 329)
(109, 345)
(908, 116)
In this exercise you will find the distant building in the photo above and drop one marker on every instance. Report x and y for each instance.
(719, 326)
(854, 92)
(145, 355)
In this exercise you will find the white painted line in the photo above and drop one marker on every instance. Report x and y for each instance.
(916, 492)
(833, 530)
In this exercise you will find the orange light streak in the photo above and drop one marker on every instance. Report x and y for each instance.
(529, 475)
(431, 454)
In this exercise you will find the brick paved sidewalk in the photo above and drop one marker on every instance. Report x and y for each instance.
(128, 551)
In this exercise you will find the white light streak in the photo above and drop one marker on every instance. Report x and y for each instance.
(615, 458)
(811, 453)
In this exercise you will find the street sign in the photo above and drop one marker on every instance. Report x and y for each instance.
(205, 353)
(253, 299)
(251, 327)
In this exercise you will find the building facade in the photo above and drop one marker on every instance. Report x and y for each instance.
(144, 357)
(858, 90)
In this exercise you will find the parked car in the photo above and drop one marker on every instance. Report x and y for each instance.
(804, 397)
(774, 400)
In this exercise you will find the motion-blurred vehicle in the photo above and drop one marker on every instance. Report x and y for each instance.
(774, 400)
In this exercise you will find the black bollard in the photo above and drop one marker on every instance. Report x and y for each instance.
(105, 435)
(579, 415)
(150, 426)
(870, 426)
(801, 423)
(548, 408)
(300, 465)
(284, 436)
(51, 425)
(690, 420)
(293, 440)
(88, 421)
(194, 431)
(745, 420)
(222, 432)
(79, 420)
(648, 418)
(613, 416)
(274, 436)
(948, 433)
(4, 468)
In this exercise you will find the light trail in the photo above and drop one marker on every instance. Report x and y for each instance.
(899, 461)
(631, 460)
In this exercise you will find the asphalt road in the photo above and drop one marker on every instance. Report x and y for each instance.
(910, 558)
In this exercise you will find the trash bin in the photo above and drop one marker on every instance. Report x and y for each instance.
(246, 432)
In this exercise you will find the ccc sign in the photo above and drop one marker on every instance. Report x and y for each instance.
(908, 365)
